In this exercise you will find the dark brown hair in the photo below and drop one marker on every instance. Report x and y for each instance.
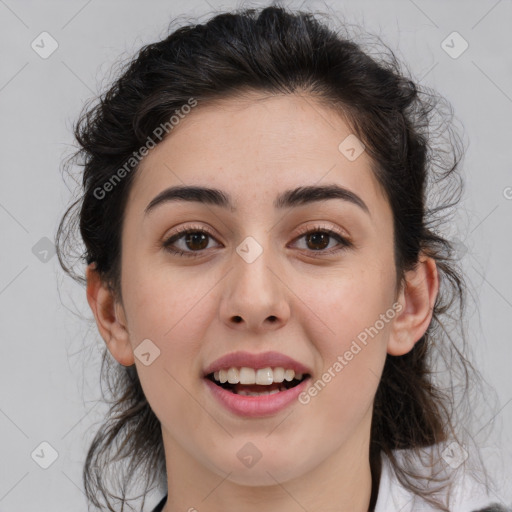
(407, 132)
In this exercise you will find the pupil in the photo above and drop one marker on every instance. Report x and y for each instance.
(190, 239)
(314, 235)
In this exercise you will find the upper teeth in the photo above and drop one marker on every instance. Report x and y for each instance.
(263, 376)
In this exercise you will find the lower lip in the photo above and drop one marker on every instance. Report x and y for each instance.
(254, 406)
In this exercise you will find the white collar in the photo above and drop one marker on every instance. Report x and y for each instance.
(468, 495)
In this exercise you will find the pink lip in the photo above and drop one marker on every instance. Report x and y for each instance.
(253, 406)
(263, 360)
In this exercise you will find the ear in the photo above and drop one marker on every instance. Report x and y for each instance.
(110, 317)
(417, 297)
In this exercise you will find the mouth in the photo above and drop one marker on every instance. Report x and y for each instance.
(258, 389)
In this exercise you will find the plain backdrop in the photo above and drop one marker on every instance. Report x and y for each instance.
(50, 351)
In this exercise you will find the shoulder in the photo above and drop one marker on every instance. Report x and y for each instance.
(467, 495)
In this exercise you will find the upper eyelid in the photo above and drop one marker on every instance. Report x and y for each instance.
(302, 231)
(340, 232)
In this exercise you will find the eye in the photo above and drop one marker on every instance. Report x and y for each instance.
(193, 238)
(318, 238)
(195, 241)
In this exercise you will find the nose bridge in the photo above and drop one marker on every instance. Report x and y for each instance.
(253, 263)
(255, 291)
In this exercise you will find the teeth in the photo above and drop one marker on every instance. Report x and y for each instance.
(262, 376)
(278, 374)
(288, 375)
(252, 393)
(233, 376)
(247, 375)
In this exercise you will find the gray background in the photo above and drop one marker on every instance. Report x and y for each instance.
(50, 349)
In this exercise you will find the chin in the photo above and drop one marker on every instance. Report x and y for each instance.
(262, 477)
(266, 471)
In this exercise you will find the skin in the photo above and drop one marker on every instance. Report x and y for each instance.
(314, 457)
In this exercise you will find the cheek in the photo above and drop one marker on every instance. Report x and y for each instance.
(342, 394)
(345, 304)
(349, 321)
(168, 305)
(172, 311)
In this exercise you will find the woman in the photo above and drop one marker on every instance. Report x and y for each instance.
(264, 268)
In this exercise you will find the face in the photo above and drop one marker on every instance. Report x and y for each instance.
(261, 278)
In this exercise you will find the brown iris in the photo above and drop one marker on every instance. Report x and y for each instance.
(192, 238)
(319, 238)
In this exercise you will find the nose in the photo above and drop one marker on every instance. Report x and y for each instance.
(256, 296)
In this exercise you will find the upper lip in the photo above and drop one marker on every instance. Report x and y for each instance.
(262, 360)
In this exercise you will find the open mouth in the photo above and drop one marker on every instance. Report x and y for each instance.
(258, 389)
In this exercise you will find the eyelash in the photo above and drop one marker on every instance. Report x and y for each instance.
(345, 243)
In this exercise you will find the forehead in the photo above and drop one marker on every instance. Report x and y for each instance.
(255, 146)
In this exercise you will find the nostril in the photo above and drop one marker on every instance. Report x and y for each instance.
(237, 319)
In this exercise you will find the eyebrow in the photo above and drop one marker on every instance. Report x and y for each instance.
(288, 199)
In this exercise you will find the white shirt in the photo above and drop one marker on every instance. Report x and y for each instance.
(468, 495)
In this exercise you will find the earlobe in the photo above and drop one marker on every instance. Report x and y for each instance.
(109, 316)
(417, 297)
